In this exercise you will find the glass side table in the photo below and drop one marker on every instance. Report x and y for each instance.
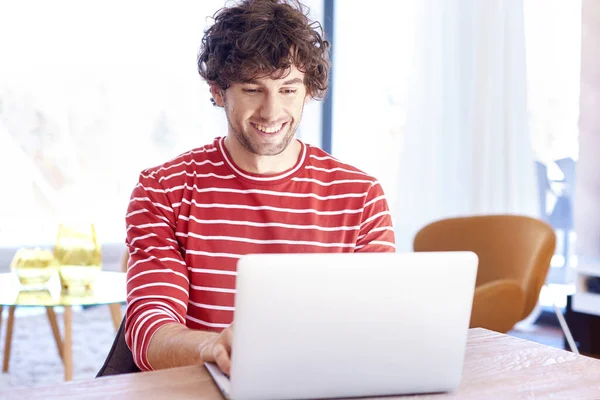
(109, 288)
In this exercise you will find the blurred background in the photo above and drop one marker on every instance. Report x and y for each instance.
(93, 92)
(458, 107)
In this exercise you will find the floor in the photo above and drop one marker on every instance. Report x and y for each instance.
(34, 359)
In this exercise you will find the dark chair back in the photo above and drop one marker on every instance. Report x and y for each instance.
(119, 359)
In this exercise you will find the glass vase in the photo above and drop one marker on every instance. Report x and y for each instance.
(79, 256)
(33, 267)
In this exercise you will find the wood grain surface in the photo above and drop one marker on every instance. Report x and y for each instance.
(496, 366)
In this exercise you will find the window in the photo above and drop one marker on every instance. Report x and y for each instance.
(373, 57)
(553, 52)
(91, 93)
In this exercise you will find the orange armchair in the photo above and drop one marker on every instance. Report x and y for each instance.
(514, 257)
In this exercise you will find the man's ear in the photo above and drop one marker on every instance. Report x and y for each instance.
(217, 95)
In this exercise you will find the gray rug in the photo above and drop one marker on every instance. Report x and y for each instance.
(34, 358)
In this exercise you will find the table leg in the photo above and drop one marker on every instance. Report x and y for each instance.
(67, 344)
(55, 331)
(115, 312)
(9, 329)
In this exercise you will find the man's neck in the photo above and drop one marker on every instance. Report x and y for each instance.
(263, 165)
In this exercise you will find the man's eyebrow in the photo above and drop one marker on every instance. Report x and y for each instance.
(293, 81)
(288, 82)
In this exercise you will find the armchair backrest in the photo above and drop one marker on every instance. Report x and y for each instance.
(508, 246)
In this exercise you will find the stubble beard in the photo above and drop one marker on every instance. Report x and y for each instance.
(246, 139)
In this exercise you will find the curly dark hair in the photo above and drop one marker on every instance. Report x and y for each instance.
(259, 38)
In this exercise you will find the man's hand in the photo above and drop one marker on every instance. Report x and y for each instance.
(218, 350)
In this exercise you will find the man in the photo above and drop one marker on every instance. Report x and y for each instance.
(257, 190)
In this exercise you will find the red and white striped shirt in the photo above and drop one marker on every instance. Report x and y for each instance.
(190, 219)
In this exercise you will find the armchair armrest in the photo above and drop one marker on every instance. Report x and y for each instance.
(497, 305)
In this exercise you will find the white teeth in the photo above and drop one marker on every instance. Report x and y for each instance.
(265, 129)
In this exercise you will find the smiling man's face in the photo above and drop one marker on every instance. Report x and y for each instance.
(264, 114)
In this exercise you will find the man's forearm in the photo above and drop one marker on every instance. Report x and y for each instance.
(175, 345)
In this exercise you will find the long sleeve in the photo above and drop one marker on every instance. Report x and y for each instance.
(157, 276)
(376, 232)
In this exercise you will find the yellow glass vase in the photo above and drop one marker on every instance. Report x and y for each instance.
(33, 267)
(79, 256)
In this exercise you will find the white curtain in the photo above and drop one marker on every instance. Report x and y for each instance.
(467, 148)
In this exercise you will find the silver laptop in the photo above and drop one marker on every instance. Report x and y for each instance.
(349, 325)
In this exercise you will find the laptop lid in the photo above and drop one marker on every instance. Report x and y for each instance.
(345, 325)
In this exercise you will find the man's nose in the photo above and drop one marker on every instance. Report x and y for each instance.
(270, 107)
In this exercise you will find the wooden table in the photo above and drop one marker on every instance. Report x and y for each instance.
(496, 366)
(108, 288)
